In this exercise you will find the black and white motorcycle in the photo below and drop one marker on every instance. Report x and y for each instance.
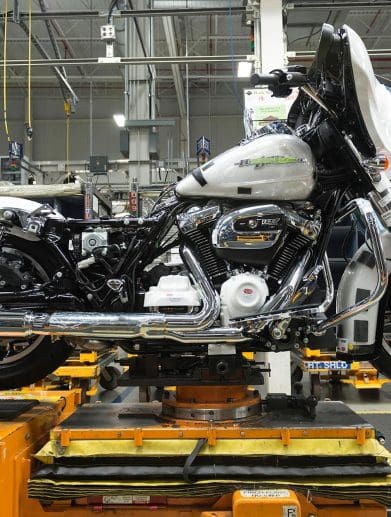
(252, 226)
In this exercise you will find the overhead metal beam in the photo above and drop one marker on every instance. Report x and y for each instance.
(339, 5)
(381, 52)
(52, 37)
(37, 15)
(63, 82)
(119, 79)
(169, 32)
(156, 60)
(149, 123)
(65, 41)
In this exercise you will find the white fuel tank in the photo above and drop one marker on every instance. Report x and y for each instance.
(277, 167)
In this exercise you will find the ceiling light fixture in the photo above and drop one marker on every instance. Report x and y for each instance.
(244, 68)
(119, 119)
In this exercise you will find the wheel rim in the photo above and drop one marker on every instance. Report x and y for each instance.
(13, 350)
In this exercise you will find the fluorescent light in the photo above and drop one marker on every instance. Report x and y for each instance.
(119, 119)
(244, 68)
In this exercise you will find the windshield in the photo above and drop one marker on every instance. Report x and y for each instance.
(373, 98)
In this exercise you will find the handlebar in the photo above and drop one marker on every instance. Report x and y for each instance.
(264, 79)
(281, 81)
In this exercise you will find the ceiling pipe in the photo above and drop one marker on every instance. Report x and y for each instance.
(155, 60)
(169, 60)
(37, 15)
(338, 5)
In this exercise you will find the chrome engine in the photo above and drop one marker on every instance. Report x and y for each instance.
(248, 253)
(254, 235)
(209, 272)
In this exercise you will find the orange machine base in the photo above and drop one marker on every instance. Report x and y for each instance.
(242, 503)
(22, 437)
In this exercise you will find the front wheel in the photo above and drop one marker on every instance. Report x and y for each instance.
(382, 359)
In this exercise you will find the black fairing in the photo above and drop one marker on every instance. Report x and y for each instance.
(331, 75)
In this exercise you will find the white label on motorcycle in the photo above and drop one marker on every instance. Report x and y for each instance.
(342, 345)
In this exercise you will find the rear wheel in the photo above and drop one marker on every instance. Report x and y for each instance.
(38, 358)
(23, 361)
(316, 389)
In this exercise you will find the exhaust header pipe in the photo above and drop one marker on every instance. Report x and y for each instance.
(193, 328)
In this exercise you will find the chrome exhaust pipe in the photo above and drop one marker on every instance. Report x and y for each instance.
(193, 328)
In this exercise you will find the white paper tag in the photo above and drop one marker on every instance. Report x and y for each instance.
(259, 494)
(126, 499)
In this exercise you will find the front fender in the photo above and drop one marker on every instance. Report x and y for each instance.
(362, 335)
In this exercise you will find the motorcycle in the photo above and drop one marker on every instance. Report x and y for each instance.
(252, 226)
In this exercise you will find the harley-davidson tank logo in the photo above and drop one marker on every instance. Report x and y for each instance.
(269, 160)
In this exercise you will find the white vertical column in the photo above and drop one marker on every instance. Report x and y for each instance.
(138, 103)
(269, 54)
(272, 35)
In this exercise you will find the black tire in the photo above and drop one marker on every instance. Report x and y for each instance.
(382, 359)
(297, 375)
(315, 385)
(33, 367)
(109, 378)
(43, 356)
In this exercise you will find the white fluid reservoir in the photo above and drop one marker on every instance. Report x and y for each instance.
(242, 295)
(172, 291)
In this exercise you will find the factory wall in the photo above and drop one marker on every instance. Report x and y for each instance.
(219, 119)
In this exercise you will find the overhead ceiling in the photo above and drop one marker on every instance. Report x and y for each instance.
(199, 35)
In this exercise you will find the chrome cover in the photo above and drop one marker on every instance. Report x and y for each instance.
(254, 227)
(259, 227)
(195, 216)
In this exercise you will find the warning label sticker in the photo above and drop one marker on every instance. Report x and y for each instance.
(259, 494)
(126, 499)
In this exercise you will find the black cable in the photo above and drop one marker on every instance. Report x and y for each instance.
(140, 37)
(315, 33)
(190, 459)
(113, 4)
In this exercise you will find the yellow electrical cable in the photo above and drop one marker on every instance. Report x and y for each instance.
(5, 70)
(29, 68)
(67, 147)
